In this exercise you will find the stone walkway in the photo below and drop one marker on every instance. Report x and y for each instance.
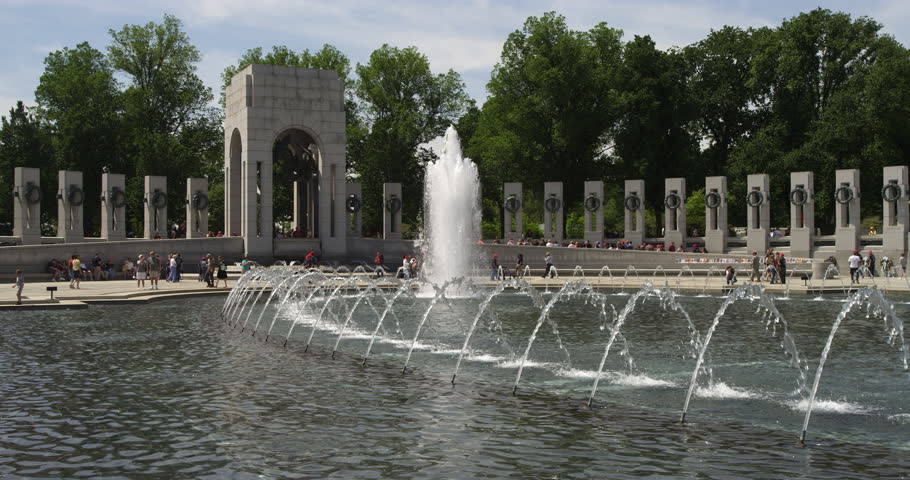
(36, 296)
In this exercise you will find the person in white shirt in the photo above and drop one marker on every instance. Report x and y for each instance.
(549, 261)
(854, 262)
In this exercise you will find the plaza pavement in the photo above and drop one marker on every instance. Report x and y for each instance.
(113, 292)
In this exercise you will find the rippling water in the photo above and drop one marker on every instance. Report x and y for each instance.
(170, 391)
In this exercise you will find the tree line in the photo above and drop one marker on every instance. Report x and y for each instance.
(821, 91)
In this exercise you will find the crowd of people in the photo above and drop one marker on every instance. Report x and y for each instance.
(861, 267)
(618, 245)
(772, 268)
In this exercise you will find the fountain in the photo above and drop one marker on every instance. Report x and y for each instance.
(452, 214)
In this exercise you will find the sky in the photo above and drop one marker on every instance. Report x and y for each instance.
(465, 36)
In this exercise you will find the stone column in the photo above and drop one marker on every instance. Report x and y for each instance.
(197, 207)
(759, 213)
(391, 211)
(553, 211)
(802, 214)
(894, 217)
(512, 210)
(594, 211)
(634, 206)
(155, 207)
(716, 230)
(675, 212)
(27, 205)
(353, 206)
(113, 206)
(847, 217)
(70, 197)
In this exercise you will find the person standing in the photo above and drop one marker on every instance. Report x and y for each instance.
(154, 269)
(179, 261)
(870, 263)
(782, 268)
(405, 267)
(756, 265)
(77, 272)
(245, 264)
(854, 262)
(494, 267)
(548, 260)
(171, 268)
(379, 261)
(519, 266)
(203, 263)
(210, 271)
(142, 269)
(222, 271)
(902, 263)
(19, 285)
(96, 267)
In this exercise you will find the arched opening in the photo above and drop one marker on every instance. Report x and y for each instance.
(233, 210)
(295, 161)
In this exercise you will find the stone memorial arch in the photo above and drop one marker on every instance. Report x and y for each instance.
(290, 121)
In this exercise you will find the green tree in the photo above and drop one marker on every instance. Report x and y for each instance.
(552, 104)
(169, 124)
(405, 105)
(25, 141)
(79, 97)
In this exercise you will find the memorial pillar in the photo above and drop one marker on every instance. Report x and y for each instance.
(197, 207)
(847, 216)
(113, 206)
(594, 212)
(759, 213)
(716, 230)
(675, 212)
(353, 206)
(802, 214)
(391, 208)
(70, 197)
(894, 216)
(513, 210)
(155, 207)
(634, 206)
(553, 211)
(27, 205)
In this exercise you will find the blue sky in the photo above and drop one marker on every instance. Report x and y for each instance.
(462, 35)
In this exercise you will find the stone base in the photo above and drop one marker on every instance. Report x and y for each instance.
(801, 242)
(757, 241)
(846, 240)
(594, 237)
(716, 241)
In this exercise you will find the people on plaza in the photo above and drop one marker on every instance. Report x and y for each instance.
(379, 261)
(756, 265)
(19, 285)
(129, 268)
(142, 270)
(222, 274)
(854, 261)
(210, 270)
(548, 261)
(870, 263)
(172, 268)
(494, 267)
(154, 262)
(405, 268)
(246, 264)
(902, 265)
(96, 267)
(730, 275)
(519, 266)
(76, 268)
(203, 264)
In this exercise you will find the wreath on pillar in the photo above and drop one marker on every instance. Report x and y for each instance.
(712, 200)
(159, 200)
(755, 198)
(117, 197)
(843, 194)
(512, 204)
(75, 196)
(632, 203)
(200, 201)
(393, 205)
(891, 192)
(799, 196)
(32, 194)
(353, 203)
(673, 201)
(592, 203)
(552, 204)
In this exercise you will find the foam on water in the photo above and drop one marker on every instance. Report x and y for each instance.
(829, 406)
(900, 418)
(636, 380)
(721, 390)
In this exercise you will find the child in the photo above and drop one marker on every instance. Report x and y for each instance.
(20, 282)
(731, 275)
